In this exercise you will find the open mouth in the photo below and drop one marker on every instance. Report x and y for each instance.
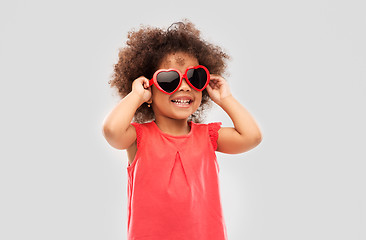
(182, 102)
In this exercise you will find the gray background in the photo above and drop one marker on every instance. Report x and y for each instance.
(299, 67)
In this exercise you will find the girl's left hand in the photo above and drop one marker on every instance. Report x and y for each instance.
(218, 88)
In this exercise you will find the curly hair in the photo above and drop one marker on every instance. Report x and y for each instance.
(147, 47)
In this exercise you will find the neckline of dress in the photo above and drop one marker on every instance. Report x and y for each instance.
(190, 123)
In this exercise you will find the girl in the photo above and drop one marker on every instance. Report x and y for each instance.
(166, 79)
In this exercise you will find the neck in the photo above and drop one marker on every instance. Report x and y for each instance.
(173, 126)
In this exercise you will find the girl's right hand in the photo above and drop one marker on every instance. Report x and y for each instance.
(141, 87)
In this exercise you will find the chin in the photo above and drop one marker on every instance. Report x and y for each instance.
(181, 116)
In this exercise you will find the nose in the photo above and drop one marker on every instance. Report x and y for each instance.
(184, 86)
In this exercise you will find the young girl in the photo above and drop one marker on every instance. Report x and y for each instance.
(166, 79)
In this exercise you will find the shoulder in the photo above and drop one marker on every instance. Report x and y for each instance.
(211, 130)
(140, 126)
(140, 129)
(209, 126)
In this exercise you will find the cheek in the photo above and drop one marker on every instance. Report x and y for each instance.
(156, 93)
(159, 98)
(198, 99)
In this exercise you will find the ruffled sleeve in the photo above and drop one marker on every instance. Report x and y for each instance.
(138, 133)
(213, 129)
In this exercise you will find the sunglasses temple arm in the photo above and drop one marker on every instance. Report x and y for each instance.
(151, 82)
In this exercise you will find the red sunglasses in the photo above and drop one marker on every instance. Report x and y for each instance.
(169, 80)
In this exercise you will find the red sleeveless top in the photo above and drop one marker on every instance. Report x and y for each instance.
(173, 185)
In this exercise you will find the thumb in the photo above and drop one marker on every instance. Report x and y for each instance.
(146, 83)
(209, 88)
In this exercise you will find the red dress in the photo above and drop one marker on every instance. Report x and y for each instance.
(173, 185)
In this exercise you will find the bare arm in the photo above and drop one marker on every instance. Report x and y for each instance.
(117, 128)
(246, 134)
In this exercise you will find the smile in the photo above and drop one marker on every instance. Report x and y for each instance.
(182, 101)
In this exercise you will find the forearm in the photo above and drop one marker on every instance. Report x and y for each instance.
(119, 119)
(243, 121)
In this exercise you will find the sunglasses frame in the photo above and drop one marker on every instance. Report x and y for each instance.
(154, 81)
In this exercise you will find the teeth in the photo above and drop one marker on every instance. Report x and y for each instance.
(181, 101)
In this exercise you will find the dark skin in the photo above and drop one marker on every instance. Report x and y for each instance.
(172, 118)
(144, 51)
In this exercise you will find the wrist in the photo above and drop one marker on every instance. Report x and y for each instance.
(225, 100)
(137, 97)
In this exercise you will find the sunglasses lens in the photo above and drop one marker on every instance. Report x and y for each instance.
(197, 77)
(168, 81)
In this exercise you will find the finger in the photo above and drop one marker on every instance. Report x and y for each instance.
(215, 84)
(213, 81)
(146, 83)
(209, 88)
(139, 80)
(214, 76)
(143, 81)
(217, 78)
(211, 85)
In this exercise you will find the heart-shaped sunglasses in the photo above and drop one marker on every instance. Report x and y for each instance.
(169, 80)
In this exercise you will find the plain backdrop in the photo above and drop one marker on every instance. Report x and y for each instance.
(299, 67)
